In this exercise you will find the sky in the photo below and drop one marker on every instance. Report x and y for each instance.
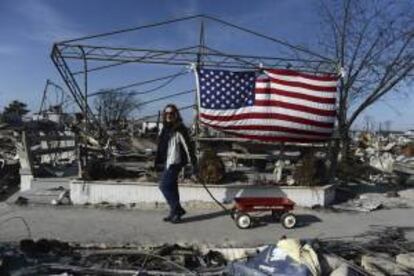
(28, 29)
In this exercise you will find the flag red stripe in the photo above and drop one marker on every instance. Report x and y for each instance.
(287, 72)
(270, 128)
(294, 95)
(295, 107)
(277, 138)
(276, 116)
(301, 85)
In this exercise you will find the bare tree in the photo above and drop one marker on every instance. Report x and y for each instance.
(374, 44)
(114, 107)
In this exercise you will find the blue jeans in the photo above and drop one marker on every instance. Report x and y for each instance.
(169, 188)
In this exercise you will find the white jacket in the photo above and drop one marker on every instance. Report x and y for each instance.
(174, 153)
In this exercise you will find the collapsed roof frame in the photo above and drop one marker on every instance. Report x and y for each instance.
(59, 92)
(199, 55)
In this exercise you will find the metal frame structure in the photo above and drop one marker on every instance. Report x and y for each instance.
(198, 55)
(59, 92)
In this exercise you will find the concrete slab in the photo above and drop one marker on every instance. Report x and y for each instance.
(125, 192)
(42, 190)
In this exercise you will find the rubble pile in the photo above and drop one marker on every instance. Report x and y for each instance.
(382, 251)
(368, 202)
(9, 162)
(7, 148)
(114, 154)
(381, 156)
(52, 257)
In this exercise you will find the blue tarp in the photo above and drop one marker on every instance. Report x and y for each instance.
(270, 261)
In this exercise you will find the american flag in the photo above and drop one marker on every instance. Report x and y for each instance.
(275, 106)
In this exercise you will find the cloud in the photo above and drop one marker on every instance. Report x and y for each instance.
(44, 23)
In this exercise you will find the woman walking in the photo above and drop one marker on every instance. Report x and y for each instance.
(174, 151)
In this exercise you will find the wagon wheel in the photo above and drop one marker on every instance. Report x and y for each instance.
(243, 221)
(288, 220)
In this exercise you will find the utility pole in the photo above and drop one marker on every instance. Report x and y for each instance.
(197, 99)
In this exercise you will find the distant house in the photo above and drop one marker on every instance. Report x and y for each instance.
(150, 127)
(409, 133)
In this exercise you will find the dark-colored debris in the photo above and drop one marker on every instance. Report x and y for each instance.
(311, 171)
(214, 258)
(191, 258)
(392, 194)
(60, 188)
(21, 201)
(9, 179)
(53, 257)
(101, 170)
(44, 246)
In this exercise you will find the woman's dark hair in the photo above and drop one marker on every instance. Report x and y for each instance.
(179, 120)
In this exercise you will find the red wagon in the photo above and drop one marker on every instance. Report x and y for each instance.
(281, 208)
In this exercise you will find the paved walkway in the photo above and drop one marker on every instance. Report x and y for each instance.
(213, 227)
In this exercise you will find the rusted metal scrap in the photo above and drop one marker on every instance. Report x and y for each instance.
(311, 171)
(213, 168)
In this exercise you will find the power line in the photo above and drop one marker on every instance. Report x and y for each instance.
(169, 78)
(155, 115)
(165, 97)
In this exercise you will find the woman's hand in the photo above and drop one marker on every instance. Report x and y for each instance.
(194, 173)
